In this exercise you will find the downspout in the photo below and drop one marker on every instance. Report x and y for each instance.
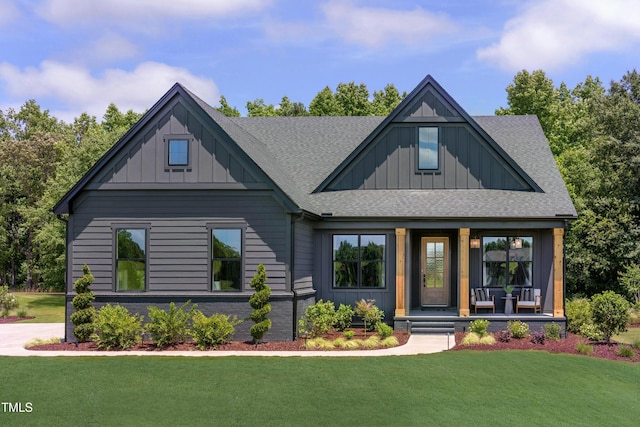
(66, 259)
(294, 219)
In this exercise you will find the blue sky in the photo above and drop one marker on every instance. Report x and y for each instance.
(75, 56)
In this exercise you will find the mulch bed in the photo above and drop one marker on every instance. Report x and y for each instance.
(566, 345)
(402, 337)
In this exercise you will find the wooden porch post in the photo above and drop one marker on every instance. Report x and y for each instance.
(558, 272)
(464, 271)
(400, 263)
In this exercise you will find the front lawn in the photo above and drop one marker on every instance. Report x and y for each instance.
(628, 337)
(462, 388)
(46, 308)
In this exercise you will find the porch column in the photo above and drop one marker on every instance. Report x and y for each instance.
(558, 272)
(401, 234)
(463, 249)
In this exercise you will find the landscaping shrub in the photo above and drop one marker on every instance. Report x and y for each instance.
(504, 335)
(318, 318)
(343, 317)
(538, 337)
(390, 342)
(479, 326)
(578, 312)
(259, 301)
(518, 329)
(116, 328)
(210, 332)
(84, 312)
(552, 331)
(169, 327)
(8, 301)
(369, 313)
(384, 330)
(610, 313)
(625, 351)
(584, 348)
(471, 338)
(349, 334)
(630, 281)
(591, 331)
(372, 342)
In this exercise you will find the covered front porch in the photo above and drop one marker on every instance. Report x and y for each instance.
(453, 313)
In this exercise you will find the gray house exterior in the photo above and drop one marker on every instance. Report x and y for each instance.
(413, 210)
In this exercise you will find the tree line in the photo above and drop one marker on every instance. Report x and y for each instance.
(593, 132)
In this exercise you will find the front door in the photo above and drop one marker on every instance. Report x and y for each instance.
(434, 264)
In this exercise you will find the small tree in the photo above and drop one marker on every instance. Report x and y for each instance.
(369, 313)
(83, 317)
(259, 301)
(630, 280)
(610, 313)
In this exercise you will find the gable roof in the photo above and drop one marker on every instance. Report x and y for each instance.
(301, 155)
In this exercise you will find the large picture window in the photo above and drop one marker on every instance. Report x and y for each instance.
(428, 151)
(131, 259)
(226, 265)
(359, 261)
(507, 260)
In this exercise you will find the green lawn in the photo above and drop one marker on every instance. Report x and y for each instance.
(461, 388)
(47, 308)
(629, 336)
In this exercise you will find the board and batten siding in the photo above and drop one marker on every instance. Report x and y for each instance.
(179, 224)
(303, 255)
(466, 162)
(144, 159)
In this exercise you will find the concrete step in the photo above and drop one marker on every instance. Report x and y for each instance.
(432, 327)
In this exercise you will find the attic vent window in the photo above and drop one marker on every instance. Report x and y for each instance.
(178, 152)
(428, 148)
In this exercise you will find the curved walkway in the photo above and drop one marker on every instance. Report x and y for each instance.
(13, 337)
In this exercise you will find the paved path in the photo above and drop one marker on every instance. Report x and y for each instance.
(13, 337)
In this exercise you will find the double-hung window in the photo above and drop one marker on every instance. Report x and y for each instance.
(131, 259)
(507, 260)
(226, 259)
(359, 260)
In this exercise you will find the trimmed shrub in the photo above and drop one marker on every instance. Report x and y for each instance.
(83, 317)
(479, 326)
(349, 334)
(116, 328)
(210, 332)
(8, 301)
(625, 351)
(169, 327)
(318, 319)
(584, 348)
(610, 313)
(384, 330)
(518, 329)
(552, 331)
(504, 335)
(578, 313)
(538, 337)
(343, 317)
(259, 301)
(591, 331)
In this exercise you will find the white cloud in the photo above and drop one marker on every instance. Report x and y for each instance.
(375, 27)
(139, 12)
(76, 90)
(109, 47)
(8, 11)
(552, 34)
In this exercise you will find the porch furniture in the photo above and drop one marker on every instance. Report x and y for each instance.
(529, 298)
(480, 298)
(508, 304)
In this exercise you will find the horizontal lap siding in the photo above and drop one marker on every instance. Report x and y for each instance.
(178, 248)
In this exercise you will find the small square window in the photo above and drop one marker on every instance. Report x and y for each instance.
(178, 152)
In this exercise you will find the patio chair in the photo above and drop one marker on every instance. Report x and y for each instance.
(529, 298)
(480, 298)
